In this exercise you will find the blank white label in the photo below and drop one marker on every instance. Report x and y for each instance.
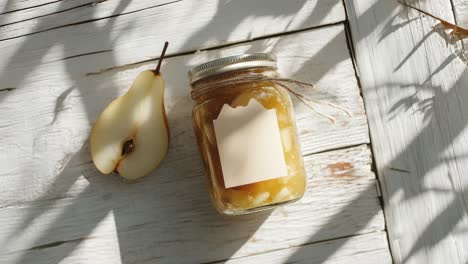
(249, 144)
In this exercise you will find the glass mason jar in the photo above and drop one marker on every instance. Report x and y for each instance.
(246, 133)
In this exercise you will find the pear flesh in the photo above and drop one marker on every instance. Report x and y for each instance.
(131, 136)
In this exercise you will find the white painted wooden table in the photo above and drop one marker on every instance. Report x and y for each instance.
(63, 61)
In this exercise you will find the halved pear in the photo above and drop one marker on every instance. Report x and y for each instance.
(131, 136)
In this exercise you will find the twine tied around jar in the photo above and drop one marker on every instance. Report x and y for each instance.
(270, 77)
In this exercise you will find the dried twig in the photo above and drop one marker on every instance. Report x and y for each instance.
(456, 30)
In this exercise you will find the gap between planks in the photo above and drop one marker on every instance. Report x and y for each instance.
(352, 54)
(224, 46)
(189, 52)
(350, 45)
(184, 53)
(265, 37)
(297, 246)
(30, 7)
(90, 163)
(320, 239)
(85, 21)
(53, 13)
(401, 245)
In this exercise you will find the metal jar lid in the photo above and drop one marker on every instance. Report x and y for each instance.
(232, 63)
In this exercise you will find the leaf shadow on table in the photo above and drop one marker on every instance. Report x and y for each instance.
(313, 69)
(155, 201)
(230, 14)
(66, 179)
(408, 166)
(159, 218)
(7, 7)
(413, 169)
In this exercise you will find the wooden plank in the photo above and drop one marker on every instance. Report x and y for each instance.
(371, 248)
(414, 89)
(16, 5)
(41, 10)
(460, 10)
(61, 13)
(35, 121)
(65, 13)
(171, 220)
(55, 206)
(135, 37)
(65, 183)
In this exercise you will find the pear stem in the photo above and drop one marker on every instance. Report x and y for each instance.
(156, 71)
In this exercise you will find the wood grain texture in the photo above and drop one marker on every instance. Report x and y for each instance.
(460, 10)
(415, 92)
(372, 249)
(17, 5)
(69, 14)
(40, 10)
(62, 13)
(127, 26)
(54, 123)
(55, 206)
(172, 220)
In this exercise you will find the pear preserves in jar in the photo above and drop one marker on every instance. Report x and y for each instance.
(245, 128)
